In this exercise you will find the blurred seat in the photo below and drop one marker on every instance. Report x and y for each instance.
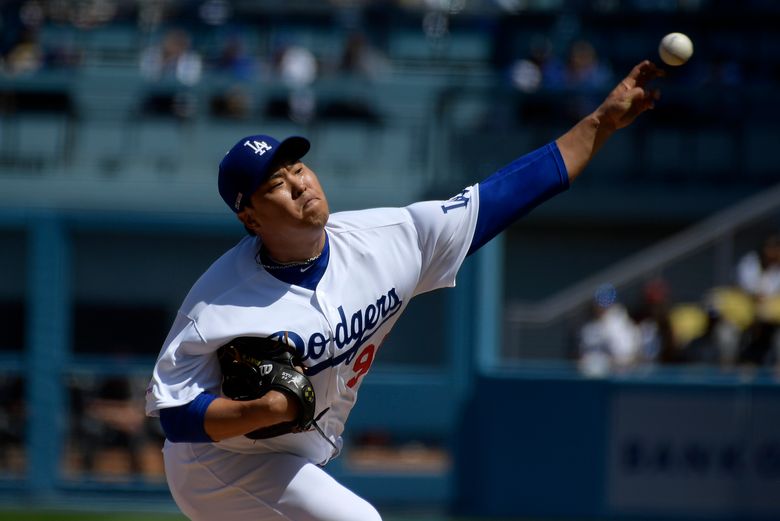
(36, 127)
(161, 130)
(347, 110)
(733, 305)
(688, 322)
(115, 43)
(347, 149)
(456, 47)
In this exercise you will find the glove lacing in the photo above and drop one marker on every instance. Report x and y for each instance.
(319, 429)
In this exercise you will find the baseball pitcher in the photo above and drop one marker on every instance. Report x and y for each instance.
(264, 361)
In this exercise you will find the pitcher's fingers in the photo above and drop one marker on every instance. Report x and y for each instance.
(643, 73)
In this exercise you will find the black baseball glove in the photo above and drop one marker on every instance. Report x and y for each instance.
(252, 366)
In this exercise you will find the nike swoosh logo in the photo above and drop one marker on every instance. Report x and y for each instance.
(306, 268)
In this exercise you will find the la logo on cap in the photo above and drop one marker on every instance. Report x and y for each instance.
(260, 147)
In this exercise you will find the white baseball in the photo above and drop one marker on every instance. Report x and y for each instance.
(675, 49)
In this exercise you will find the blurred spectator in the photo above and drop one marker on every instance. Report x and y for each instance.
(360, 58)
(610, 341)
(235, 103)
(171, 59)
(26, 55)
(215, 12)
(235, 61)
(181, 105)
(174, 58)
(525, 75)
(583, 76)
(541, 73)
(655, 327)
(715, 346)
(586, 75)
(758, 274)
(585, 69)
(87, 15)
(297, 67)
(541, 69)
(733, 312)
(582, 67)
(110, 416)
(23, 46)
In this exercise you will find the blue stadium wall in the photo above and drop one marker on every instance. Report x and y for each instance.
(668, 446)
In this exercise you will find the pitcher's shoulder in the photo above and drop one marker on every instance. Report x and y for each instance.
(366, 219)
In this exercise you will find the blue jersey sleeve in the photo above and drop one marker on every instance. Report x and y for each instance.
(516, 189)
(185, 422)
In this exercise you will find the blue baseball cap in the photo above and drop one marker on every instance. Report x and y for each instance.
(248, 164)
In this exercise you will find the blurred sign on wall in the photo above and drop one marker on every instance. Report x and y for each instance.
(711, 453)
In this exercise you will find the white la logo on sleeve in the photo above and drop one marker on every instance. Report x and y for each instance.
(260, 147)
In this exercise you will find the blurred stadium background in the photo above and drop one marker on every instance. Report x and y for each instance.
(605, 358)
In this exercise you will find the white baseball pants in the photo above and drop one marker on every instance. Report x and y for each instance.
(212, 484)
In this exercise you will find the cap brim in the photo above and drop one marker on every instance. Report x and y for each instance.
(292, 148)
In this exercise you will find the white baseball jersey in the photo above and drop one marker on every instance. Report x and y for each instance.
(379, 259)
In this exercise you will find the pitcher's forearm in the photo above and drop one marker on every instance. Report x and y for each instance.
(579, 145)
(228, 418)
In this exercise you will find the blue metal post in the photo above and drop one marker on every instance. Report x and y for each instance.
(48, 338)
(488, 314)
(458, 333)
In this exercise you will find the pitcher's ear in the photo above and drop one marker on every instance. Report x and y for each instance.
(247, 218)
